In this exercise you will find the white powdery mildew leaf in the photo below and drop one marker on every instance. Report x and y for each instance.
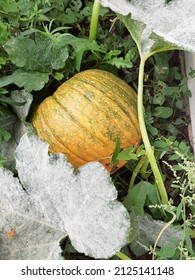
(31, 240)
(45, 180)
(83, 204)
(174, 22)
(101, 226)
(11, 192)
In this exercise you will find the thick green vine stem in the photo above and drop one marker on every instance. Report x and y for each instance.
(145, 138)
(94, 20)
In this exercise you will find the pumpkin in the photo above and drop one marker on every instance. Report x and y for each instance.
(86, 114)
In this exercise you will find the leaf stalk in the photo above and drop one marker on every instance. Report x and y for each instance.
(94, 20)
(145, 138)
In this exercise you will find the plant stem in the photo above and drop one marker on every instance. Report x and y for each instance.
(136, 171)
(146, 141)
(161, 232)
(122, 256)
(94, 20)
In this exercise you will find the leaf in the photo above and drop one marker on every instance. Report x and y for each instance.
(83, 205)
(11, 10)
(27, 79)
(4, 135)
(42, 54)
(13, 125)
(163, 112)
(24, 245)
(166, 253)
(19, 97)
(116, 151)
(80, 45)
(147, 232)
(137, 196)
(155, 25)
(127, 154)
(4, 32)
(120, 62)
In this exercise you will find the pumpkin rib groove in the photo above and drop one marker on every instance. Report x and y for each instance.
(125, 112)
(57, 140)
(99, 109)
(73, 118)
(121, 84)
(123, 104)
(75, 153)
(113, 120)
(94, 152)
(92, 103)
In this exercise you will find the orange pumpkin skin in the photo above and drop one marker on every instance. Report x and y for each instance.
(86, 114)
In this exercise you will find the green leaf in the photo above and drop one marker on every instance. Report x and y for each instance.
(80, 45)
(174, 157)
(4, 32)
(160, 144)
(136, 198)
(2, 61)
(11, 11)
(111, 54)
(29, 80)
(4, 134)
(127, 154)
(166, 253)
(188, 241)
(9, 6)
(42, 54)
(153, 130)
(156, 26)
(163, 112)
(114, 159)
(119, 62)
(179, 210)
(58, 76)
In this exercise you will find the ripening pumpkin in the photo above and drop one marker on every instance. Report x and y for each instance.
(86, 114)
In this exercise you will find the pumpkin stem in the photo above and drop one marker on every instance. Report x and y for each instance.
(94, 20)
(145, 138)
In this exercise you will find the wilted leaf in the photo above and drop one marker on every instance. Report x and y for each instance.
(25, 97)
(83, 204)
(14, 125)
(156, 25)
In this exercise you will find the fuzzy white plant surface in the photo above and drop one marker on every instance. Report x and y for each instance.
(173, 23)
(50, 201)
